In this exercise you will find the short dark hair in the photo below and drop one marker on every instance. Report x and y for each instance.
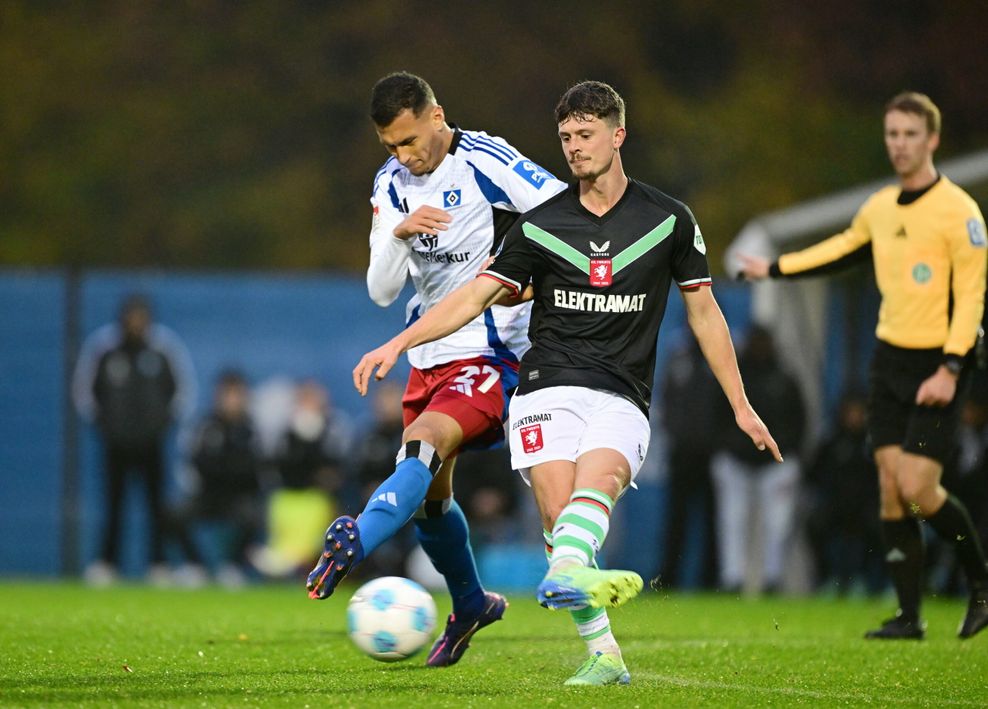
(397, 92)
(134, 302)
(920, 104)
(591, 99)
(231, 377)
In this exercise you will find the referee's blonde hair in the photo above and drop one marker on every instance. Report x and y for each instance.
(920, 104)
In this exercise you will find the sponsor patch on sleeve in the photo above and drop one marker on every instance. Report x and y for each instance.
(698, 242)
(976, 232)
(533, 174)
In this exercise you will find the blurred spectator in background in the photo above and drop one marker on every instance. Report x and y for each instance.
(842, 496)
(756, 497)
(373, 454)
(491, 496)
(691, 399)
(374, 461)
(133, 379)
(224, 487)
(308, 462)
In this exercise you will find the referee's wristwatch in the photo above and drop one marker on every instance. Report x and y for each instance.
(953, 363)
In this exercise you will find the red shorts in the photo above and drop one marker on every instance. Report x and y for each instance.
(469, 390)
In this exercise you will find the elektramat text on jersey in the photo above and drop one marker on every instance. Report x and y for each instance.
(597, 302)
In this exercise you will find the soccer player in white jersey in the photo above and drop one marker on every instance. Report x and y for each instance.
(441, 203)
(598, 259)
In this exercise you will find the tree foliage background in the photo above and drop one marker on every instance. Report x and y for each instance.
(210, 134)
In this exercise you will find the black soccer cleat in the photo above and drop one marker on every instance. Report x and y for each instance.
(976, 618)
(450, 646)
(899, 627)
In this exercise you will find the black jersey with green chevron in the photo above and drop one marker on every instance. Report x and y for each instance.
(601, 286)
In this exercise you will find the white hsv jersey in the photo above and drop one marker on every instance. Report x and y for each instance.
(480, 173)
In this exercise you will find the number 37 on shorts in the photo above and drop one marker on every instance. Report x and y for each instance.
(470, 391)
(471, 377)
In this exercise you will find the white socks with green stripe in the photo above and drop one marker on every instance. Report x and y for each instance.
(594, 627)
(580, 529)
(574, 541)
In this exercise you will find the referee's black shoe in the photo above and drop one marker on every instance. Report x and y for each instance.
(899, 627)
(976, 617)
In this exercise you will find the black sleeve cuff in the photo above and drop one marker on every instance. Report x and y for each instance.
(954, 363)
(773, 270)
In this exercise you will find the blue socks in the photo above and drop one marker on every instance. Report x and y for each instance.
(443, 533)
(393, 503)
(441, 527)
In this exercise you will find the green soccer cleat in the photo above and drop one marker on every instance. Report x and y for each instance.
(600, 669)
(578, 587)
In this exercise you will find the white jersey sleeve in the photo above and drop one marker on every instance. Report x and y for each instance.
(170, 344)
(388, 269)
(93, 348)
(516, 183)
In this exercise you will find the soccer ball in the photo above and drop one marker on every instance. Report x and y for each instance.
(391, 618)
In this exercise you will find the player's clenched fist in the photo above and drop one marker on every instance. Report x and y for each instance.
(383, 358)
(424, 220)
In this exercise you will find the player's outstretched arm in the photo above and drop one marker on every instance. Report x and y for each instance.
(510, 299)
(708, 325)
(749, 422)
(753, 268)
(446, 317)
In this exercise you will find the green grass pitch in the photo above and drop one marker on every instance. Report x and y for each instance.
(269, 646)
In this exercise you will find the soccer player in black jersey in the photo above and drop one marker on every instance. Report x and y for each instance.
(598, 260)
(926, 238)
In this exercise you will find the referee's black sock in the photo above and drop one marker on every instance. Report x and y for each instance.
(904, 560)
(953, 524)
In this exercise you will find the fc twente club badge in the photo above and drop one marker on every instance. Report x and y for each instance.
(600, 272)
(600, 268)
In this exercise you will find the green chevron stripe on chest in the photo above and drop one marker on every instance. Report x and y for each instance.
(643, 245)
(556, 246)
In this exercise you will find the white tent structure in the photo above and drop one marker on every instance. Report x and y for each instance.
(796, 310)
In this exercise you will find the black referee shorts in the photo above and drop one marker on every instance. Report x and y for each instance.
(894, 417)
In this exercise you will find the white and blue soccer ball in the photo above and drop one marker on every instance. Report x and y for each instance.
(391, 618)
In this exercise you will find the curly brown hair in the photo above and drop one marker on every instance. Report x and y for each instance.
(591, 99)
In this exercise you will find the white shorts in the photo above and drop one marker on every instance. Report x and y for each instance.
(564, 422)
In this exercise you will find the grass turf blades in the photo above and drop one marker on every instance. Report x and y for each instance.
(62, 644)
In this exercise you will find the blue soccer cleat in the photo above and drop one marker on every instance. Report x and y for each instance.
(450, 646)
(341, 551)
(579, 587)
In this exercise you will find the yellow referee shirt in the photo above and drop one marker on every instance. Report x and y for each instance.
(924, 253)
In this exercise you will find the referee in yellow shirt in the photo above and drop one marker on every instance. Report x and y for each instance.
(926, 238)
